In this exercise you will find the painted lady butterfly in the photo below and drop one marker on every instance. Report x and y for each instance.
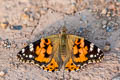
(53, 52)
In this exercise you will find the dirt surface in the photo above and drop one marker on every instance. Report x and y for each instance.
(25, 21)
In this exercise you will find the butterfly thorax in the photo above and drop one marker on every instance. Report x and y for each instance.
(63, 42)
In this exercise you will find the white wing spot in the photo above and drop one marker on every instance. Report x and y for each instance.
(23, 50)
(94, 61)
(30, 56)
(23, 54)
(26, 56)
(91, 46)
(98, 50)
(91, 55)
(31, 47)
(97, 54)
(89, 61)
(94, 55)
(99, 58)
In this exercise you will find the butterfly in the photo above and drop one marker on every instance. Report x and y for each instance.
(62, 50)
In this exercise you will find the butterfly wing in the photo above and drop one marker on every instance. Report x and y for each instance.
(43, 52)
(81, 53)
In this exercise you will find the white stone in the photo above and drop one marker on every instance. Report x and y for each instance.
(2, 73)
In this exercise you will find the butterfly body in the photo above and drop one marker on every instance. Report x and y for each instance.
(62, 50)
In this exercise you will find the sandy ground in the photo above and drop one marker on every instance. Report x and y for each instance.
(25, 21)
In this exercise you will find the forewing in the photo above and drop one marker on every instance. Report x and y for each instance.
(82, 52)
(42, 52)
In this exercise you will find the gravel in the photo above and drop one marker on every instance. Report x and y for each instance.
(23, 21)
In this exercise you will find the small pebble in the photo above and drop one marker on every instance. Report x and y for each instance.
(6, 43)
(2, 73)
(80, 30)
(84, 18)
(8, 46)
(26, 9)
(43, 11)
(109, 29)
(25, 16)
(116, 77)
(72, 9)
(109, 14)
(118, 48)
(14, 45)
(4, 25)
(107, 46)
(37, 16)
(104, 22)
(31, 18)
(104, 11)
(114, 55)
(104, 26)
(16, 27)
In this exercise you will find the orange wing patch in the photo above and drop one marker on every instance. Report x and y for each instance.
(70, 66)
(49, 49)
(44, 51)
(52, 66)
(79, 51)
